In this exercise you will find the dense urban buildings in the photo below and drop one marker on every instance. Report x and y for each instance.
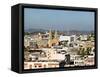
(55, 49)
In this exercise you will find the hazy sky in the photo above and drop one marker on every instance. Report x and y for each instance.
(58, 19)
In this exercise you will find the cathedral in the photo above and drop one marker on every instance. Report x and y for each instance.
(53, 39)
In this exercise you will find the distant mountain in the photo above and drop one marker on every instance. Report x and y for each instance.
(71, 32)
(35, 30)
(78, 32)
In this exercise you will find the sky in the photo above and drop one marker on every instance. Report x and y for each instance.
(58, 19)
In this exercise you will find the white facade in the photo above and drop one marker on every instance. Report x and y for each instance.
(73, 37)
(83, 37)
(52, 55)
(67, 38)
(64, 38)
(26, 42)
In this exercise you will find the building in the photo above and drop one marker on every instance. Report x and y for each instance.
(65, 40)
(78, 61)
(51, 54)
(39, 65)
(89, 60)
(42, 43)
(83, 37)
(27, 40)
(52, 41)
(73, 38)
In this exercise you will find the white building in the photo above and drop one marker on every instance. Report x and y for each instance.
(70, 39)
(27, 41)
(65, 38)
(52, 55)
(73, 38)
(90, 60)
(83, 37)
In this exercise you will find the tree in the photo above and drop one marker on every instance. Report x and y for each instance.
(89, 38)
(62, 63)
(88, 51)
(84, 52)
(81, 52)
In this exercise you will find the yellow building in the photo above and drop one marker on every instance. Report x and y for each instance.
(53, 40)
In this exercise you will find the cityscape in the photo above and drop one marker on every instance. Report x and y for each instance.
(55, 49)
(57, 46)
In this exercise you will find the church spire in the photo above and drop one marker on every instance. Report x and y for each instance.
(56, 34)
(50, 35)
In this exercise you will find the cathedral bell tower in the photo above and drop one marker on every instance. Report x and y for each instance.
(53, 41)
